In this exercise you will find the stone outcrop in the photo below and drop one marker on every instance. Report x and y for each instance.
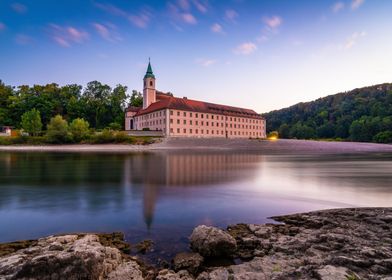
(212, 242)
(325, 245)
(187, 261)
(69, 257)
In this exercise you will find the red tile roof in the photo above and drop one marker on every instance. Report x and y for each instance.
(166, 101)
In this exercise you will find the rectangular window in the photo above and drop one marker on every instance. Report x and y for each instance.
(212, 117)
(184, 114)
(212, 123)
(184, 130)
(197, 122)
(197, 115)
(197, 131)
(207, 131)
(190, 114)
(184, 121)
(212, 132)
(178, 130)
(206, 123)
(171, 120)
(206, 116)
(178, 113)
(171, 130)
(178, 121)
(190, 131)
(202, 116)
(190, 122)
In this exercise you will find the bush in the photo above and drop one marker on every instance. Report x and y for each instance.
(383, 137)
(79, 129)
(57, 132)
(31, 122)
(115, 126)
(109, 136)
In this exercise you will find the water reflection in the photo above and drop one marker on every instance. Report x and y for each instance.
(164, 195)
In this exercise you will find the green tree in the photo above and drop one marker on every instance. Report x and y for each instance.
(57, 131)
(284, 131)
(79, 129)
(136, 99)
(383, 137)
(31, 122)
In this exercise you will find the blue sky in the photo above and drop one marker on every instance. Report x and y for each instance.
(257, 54)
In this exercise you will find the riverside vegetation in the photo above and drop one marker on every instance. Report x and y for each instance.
(60, 132)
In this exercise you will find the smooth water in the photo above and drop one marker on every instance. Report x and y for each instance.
(163, 196)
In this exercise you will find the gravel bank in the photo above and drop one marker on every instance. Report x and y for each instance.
(216, 144)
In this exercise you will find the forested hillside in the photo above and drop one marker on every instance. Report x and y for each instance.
(363, 114)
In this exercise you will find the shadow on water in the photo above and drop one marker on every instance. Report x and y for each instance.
(162, 196)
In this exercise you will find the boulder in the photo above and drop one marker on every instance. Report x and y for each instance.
(330, 272)
(212, 242)
(188, 261)
(68, 257)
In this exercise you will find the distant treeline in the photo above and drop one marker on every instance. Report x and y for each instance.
(363, 115)
(97, 103)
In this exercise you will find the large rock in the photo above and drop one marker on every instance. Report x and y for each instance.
(68, 257)
(188, 261)
(330, 272)
(212, 242)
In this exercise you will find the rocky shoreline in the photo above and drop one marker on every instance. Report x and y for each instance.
(349, 244)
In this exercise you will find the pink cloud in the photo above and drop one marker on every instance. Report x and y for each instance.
(184, 5)
(111, 9)
(337, 7)
(205, 62)
(141, 20)
(19, 8)
(65, 36)
(217, 28)
(201, 7)
(245, 48)
(2, 26)
(188, 18)
(231, 15)
(355, 4)
(273, 22)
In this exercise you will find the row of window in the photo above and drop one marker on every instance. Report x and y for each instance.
(215, 132)
(190, 114)
(217, 124)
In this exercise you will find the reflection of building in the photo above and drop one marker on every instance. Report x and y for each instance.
(190, 118)
(158, 170)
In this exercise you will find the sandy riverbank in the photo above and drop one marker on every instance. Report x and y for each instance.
(336, 244)
(216, 144)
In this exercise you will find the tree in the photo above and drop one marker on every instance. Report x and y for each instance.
(136, 99)
(31, 122)
(383, 137)
(79, 129)
(284, 131)
(57, 130)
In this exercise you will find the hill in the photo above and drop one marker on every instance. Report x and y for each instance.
(363, 114)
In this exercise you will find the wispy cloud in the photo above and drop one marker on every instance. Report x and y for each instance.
(181, 12)
(231, 15)
(66, 36)
(353, 39)
(141, 20)
(355, 4)
(111, 9)
(337, 7)
(217, 28)
(202, 7)
(273, 22)
(19, 8)
(23, 39)
(205, 62)
(245, 48)
(2, 26)
(107, 31)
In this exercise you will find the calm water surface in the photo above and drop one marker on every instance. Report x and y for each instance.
(163, 196)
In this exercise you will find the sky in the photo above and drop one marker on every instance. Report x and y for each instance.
(259, 54)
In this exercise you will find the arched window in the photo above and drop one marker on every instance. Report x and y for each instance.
(151, 83)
